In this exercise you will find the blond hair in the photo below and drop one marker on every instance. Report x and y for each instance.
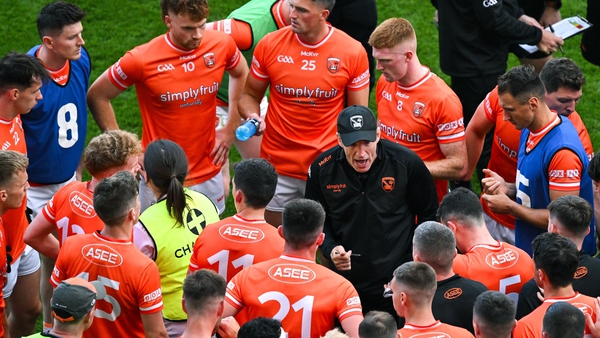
(111, 149)
(391, 33)
(11, 163)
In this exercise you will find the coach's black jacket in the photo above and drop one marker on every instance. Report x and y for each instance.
(372, 214)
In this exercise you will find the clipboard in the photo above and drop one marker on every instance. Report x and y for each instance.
(565, 29)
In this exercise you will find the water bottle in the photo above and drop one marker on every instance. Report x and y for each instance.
(246, 130)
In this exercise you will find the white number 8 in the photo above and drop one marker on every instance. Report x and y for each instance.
(64, 126)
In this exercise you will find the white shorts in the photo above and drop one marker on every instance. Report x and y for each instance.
(28, 263)
(38, 196)
(499, 231)
(223, 113)
(288, 189)
(212, 188)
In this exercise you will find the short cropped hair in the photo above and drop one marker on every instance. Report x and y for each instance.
(563, 320)
(391, 33)
(463, 206)
(166, 164)
(419, 278)
(202, 289)
(109, 150)
(594, 168)
(114, 196)
(574, 214)
(435, 244)
(20, 71)
(327, 4)
(260, 327)
(378, 324)
(303, 221)
(256, 179)
(197, 10)
(523, 83)
(562, 72)
(55, 16)
(494, 314)
(557, 256)
(11, 163)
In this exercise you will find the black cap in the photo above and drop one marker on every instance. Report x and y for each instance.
(357, 123)
(75, 297)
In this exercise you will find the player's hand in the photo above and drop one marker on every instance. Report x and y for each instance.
(341, 258)
(228, 328)
(594, 326)
(550, 16)
(493, 183)
(550, 42)
(499, 203)
(262, 126)
(223, 141)
(540, 294)
(530, 21)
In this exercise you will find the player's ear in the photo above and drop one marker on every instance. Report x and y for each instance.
(167, 20)
(533, 103)
(221, 308)
(325, 13)
(183, 304)
(280, 231)
(3, 195)
(339, 140)
(320, 239)
(48, 41)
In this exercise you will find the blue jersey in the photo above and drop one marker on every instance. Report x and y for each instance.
(533, 185)
(55, 128)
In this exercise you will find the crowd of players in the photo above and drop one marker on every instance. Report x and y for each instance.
(374, 206)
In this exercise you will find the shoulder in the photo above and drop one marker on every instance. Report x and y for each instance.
(327, 158)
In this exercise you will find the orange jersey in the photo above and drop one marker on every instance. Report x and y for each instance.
(177, 93)
(501, 267)
(437, 329)
(530, 326)
(421, 116)
(131, 279)
(582, 131)
(71, 209)
(234, 243)
(306, 297)
(15, 220)
(505, 149)
(308, 88)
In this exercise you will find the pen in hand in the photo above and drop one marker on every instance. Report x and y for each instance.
(559, 46)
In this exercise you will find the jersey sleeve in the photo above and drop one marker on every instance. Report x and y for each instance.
(149, 292)
(233, 54)
(233, 296)
(127, 71)
(195, 259)
(49, 211)
(564, 171)
(257, 68)
(491, 105)
(240, 31)
(348, 301)
(450, 126)
(359, 75)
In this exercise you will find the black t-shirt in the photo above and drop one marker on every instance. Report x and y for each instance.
(454, 299)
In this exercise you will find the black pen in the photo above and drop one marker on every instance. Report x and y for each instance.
(559, 46)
